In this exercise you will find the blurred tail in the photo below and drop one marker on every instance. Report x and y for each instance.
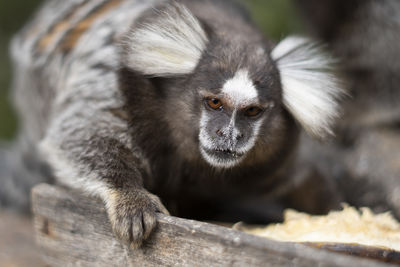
(20, 170)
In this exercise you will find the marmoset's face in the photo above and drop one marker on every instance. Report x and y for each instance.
(234, 117)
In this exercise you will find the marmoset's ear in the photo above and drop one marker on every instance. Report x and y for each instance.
(167, 41)
(311, 91)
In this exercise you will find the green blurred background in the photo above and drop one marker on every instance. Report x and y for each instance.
(276, 17)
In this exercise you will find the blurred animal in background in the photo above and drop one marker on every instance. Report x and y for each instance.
(365, 157)
(178, 104)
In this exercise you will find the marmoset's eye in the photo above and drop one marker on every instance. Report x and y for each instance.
(214, 103)
(253, 111)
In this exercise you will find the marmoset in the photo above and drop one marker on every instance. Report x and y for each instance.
(167, 105)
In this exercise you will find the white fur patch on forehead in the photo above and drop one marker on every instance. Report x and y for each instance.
(311, 91)
(240, 89)
(170, 42)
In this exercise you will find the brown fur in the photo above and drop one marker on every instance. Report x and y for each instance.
(74, 35)
(58, 28)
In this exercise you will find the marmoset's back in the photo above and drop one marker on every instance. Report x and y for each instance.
(64, 43)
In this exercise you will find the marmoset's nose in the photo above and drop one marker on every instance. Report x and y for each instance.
(230, 134)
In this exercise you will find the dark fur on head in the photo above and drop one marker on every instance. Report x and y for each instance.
(232, 62)
(178, 100)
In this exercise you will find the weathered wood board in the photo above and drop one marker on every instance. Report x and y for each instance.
(73, 230)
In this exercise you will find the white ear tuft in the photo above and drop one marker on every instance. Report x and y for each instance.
(311, 91)
(169, 42)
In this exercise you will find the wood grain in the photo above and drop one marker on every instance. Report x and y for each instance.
(73, 230)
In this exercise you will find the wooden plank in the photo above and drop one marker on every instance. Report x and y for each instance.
(72, 229)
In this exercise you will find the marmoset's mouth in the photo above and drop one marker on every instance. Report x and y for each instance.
(224, 158)
(227, 152)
